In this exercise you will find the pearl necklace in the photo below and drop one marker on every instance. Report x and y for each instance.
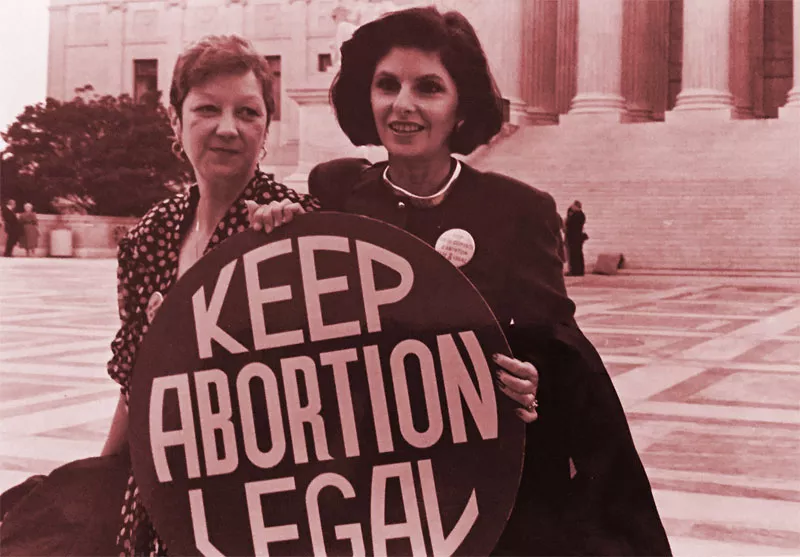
(199, 247)
(424, 201)
(197, 250)
(192, 237)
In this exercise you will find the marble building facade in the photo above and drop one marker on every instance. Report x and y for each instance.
(637, 59)
(580, 74)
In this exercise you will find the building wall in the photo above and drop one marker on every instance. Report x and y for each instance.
(95, 42)
(715, 186)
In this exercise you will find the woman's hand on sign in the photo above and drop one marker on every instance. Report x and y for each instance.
(519, 381)
(271, 216)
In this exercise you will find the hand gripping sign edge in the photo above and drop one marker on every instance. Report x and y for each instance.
(324, 389)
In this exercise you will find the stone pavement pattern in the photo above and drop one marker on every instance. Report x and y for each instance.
(708, 370)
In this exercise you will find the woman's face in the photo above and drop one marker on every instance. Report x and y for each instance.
(414, 102)
(222, 127)
(27, 208)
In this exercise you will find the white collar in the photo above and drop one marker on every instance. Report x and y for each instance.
(424, 201)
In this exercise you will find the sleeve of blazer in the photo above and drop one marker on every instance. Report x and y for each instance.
(608, 505)
(331, 181)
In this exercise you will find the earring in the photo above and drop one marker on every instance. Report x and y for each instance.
(177, 150)
(458, 125)
(263, 152)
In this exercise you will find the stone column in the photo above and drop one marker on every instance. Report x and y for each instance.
(321, 138)
(295, 69)
(757, 58)
(506, 47)
(744, 52)
(599, 94)
(57, 51)
(645, 66)
(174, 15)
(791, 110)
(566, 54)
(706, 61)
(539, 60)
(499, 25)
(115, 29)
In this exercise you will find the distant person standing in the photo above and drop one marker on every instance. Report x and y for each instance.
(30, 229)
(11, 224)
(575, 237)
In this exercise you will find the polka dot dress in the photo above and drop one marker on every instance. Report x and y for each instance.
(148, 263)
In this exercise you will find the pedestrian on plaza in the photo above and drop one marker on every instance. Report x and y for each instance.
(11, 224)
(417, 82)
(220, 108)
(575, 238)
(30, 229)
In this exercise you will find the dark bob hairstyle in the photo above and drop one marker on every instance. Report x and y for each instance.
(453, 38)
(219, 55)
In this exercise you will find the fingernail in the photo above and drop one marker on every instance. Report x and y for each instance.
(495, 357)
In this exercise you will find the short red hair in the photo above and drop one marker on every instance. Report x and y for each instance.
(215, 55)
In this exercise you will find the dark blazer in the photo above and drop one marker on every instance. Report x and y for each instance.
(516, 228)
(584, 490)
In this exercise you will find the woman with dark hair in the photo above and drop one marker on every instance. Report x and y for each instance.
(417, 82)
(220, 109)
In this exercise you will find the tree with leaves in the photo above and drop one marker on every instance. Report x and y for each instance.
(111, 150)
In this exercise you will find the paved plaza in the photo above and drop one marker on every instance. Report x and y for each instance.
(708, 369)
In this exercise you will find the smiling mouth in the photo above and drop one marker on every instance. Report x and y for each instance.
(405, 127)
(224, 150)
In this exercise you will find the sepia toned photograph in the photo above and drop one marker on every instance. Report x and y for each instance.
(400, 277)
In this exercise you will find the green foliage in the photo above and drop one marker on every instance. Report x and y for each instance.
(111, 150)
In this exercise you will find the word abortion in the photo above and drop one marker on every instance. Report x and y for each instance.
(452, 370)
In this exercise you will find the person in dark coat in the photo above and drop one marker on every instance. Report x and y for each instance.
(11, 224)
(575, 237)
(417, 82)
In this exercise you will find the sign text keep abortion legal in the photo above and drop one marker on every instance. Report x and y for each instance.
(325, 389)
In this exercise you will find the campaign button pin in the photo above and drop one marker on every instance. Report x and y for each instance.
(457, 246)
(152, 306)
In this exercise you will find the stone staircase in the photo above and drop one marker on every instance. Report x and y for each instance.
(705, 195)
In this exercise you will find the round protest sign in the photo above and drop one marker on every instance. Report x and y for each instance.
(326, 389)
